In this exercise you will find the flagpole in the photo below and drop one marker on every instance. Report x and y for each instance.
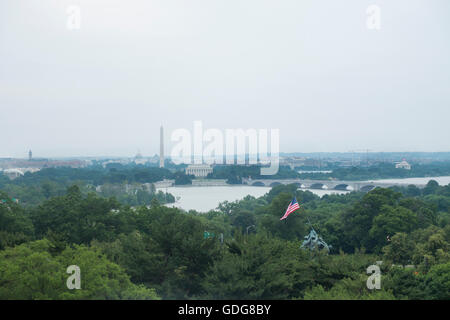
(295, 196)
(309, 222)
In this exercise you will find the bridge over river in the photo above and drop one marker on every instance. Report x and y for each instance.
(326, 184)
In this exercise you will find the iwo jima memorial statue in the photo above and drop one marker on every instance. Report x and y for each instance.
(312, 241)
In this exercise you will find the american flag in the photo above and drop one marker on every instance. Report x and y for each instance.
(292, 207)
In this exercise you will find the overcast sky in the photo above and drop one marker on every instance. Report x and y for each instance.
(309, 68)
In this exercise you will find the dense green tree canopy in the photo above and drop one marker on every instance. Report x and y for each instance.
(241, 250)
(31, 271)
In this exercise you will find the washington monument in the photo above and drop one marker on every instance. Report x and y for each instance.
(161, 147)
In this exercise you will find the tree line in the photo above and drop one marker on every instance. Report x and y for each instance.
(381, 171)
(123, 182)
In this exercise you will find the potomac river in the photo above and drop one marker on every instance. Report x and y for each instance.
(205, 198)
(208, 198)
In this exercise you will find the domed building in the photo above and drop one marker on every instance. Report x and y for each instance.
(403, 165)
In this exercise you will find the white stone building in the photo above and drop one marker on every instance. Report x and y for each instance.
(403, 165)
(199, 170)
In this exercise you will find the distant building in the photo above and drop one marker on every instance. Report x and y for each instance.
(154, 159)
(199, 170)
(25, 165)
(161, 184)
(13, 173)
(403, 165)
(139, 159)
(113, 162)
(209, 182)
(161, 147)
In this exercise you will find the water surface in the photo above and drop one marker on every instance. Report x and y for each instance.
(204, 199)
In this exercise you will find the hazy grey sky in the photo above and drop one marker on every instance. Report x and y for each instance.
(310, 68)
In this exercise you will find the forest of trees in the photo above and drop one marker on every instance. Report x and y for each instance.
(381, 171)
(158, 252)
(234, 173)
(123, 182)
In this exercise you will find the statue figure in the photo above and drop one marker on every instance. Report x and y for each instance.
(313, 240)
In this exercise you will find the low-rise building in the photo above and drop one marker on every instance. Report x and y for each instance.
(403, 165)
(199, 170)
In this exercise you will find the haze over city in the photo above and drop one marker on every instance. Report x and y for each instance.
(224, 155)
(311, 68)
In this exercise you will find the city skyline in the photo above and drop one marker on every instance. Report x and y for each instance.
(328, 155)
